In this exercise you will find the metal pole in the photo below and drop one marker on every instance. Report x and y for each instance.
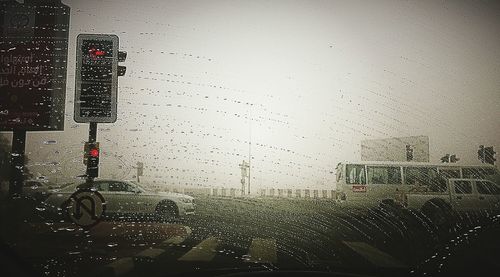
(93, 132)
(17, 162)
(249, 148)
(92, 139)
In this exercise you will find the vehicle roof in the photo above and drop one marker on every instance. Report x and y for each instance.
(108, 180)
(470, 179)
(417, 164)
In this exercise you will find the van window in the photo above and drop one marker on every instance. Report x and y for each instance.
(384, 175)
(485, 187)
(463, 187)
(449, 173)
(355, 174)
(419, 175)
(438, 184)
(473, 173)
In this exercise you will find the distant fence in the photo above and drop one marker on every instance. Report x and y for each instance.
(267, 192)
(298, 193)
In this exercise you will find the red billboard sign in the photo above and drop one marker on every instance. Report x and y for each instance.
(359, 188)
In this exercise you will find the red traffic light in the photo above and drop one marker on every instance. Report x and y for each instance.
(94, 53)
(94, 153)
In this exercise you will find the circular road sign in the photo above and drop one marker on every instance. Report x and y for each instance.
(86, 207)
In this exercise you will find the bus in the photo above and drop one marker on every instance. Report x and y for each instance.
(368, 184)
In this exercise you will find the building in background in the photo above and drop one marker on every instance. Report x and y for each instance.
(402, 149)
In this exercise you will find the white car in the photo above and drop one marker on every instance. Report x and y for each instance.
(128, 197)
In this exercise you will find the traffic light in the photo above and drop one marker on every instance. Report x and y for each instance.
(489, 155)
(445, 158)
(480, 153)
(96, 80)
(454, 159)
(409, 153)
(92, 156)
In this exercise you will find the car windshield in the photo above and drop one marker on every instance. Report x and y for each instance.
(138, 186)
(242, 137)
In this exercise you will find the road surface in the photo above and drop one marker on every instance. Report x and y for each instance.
(248, 234)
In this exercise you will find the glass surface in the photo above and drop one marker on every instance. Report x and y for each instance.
(450, 173)
(273, 137)
(419, 175)
(463, 187)
(384, 175)
(355, 174)
(484, 187)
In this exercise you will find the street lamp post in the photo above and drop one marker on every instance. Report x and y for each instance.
(244, 166)
(249, 147)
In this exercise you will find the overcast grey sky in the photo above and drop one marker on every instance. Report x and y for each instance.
(317, 77)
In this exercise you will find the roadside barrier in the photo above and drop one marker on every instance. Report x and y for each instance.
(263, 192)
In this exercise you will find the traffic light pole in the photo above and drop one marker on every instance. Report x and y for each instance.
(92, 139)
(17, 162)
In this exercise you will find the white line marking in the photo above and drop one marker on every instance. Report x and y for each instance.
(173, 240)
(373, 255)
(262, 251)
(122, 266)
(150, 253)
(204, 251)
(177, 239)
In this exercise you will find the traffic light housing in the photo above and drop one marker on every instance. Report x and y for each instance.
(480, 153)
(489, 155)
(96, 78)
(486, 154)
(409, 153)
(92, 154)
(445, 158)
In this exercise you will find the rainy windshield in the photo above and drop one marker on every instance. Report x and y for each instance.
(249, 137)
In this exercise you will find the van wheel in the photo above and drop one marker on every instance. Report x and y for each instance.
(439, 214)
(166, 211)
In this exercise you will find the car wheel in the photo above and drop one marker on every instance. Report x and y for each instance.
(166, 211)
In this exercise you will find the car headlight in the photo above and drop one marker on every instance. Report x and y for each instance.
(186, 200)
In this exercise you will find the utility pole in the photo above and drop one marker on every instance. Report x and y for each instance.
(244, 166)
(140, 170)
(249, 146)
